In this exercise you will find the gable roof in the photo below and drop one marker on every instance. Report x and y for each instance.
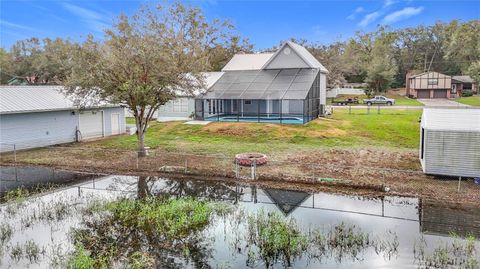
(464, 79)
(247, 62)
(430, 72)
(451, 119)
(301, 52)
(23, 99)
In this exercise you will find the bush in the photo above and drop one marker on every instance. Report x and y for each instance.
(467, 93)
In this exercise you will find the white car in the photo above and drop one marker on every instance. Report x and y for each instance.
(379, 100)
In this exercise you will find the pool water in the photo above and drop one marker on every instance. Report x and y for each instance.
(283, 120)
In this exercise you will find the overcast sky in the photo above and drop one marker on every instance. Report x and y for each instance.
(265, 23)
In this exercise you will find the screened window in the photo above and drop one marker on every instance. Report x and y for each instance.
(209, 106)
(433, 81)
(180, 105)
(248, 102)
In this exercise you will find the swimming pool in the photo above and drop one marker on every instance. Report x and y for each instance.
(285, 120)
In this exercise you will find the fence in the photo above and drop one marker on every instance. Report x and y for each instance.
(308, 172)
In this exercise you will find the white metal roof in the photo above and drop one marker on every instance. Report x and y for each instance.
(302, 52)
(451, 119)
(247, 61)
(210, 79)
(21, 99)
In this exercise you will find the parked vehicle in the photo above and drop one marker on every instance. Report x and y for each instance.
(347, 101)
(379, 100)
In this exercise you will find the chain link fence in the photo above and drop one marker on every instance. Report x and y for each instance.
(294, 171)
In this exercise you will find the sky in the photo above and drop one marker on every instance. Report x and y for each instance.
(264, 23)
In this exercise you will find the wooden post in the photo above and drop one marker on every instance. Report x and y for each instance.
(459, 180)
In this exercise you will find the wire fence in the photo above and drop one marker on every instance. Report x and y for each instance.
(292, 171)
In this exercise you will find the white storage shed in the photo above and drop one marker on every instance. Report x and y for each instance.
(450, 141)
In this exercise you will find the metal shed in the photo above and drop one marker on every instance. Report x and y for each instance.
(37, 116)
(450, 141)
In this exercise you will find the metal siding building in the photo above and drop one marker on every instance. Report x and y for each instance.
(450, 141)
(37, 116)
(183, 107)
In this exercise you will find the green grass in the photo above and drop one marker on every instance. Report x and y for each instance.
(130, 120)
(392, 128)
(399, 100)
(472, 100)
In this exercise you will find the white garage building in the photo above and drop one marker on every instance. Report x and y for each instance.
(37, 116)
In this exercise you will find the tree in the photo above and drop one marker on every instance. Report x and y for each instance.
(381, 67)
(146, 60)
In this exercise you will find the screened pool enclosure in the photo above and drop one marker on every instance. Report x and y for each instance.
(267, 95)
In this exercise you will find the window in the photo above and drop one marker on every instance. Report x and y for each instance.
(234, 105)
(432, 81)
(180, 105)
(454, 88)
(248, 102)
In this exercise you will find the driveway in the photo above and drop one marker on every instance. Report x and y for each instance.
(440, 103)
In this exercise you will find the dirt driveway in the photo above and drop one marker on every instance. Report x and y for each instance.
(439, 102)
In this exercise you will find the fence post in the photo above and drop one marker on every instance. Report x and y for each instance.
(378, 109)
(368, 109)
(254, 170)
(186, 164)
(349, 109)
(459, 180)
(236, 169)
(136, 159)
(14, 154)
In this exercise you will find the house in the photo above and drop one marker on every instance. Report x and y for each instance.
(37, 116)
(183, 106)
(450, 141)
(437, 85)
(288, 86)
(464, 83)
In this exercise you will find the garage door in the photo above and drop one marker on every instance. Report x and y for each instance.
(91, 124)
(440, 93)
(423, 94)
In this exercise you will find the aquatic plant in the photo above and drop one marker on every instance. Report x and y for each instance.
(121, 230)
(272, 238)
(81, 259)
(32, 251)
(6, 232)
(458, 253)
(16, 252)
(276, 239)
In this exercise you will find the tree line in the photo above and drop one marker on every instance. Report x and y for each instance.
(381, 58)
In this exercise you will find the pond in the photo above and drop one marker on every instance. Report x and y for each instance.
(389, 231)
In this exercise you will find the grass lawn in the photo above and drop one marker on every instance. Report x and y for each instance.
(130, 120)
(471, 100)
(399, 100)
(392, 129)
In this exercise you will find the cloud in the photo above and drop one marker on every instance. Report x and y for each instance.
(388, 3)
(355, 12)
(95, 20)
(16, 26)
(402, 14)
(369, 18)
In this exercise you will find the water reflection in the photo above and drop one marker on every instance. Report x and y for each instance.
(440, 220)
(12, 177)
(409, 218)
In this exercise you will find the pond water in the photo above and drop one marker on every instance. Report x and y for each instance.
(45, 221)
